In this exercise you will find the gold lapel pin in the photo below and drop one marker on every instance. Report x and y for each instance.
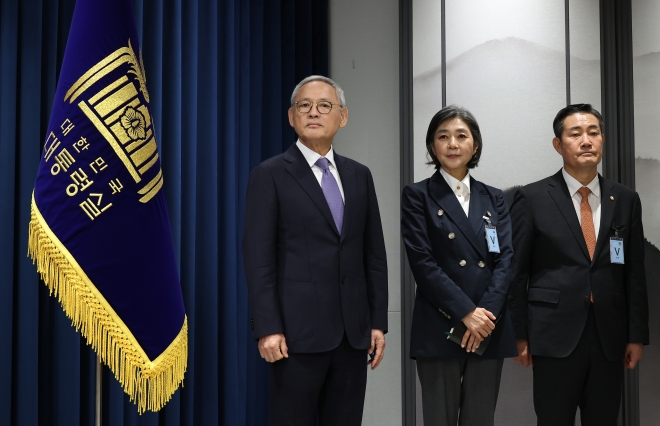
(612, 197)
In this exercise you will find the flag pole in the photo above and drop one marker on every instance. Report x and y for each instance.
(98, 391)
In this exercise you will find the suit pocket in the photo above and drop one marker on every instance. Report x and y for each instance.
(299, 309)
(547, 295)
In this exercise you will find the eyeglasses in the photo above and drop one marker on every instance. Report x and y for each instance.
(323, 107)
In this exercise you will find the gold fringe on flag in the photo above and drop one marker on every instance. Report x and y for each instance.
(150, 384)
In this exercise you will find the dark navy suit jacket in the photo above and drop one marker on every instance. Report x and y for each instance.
(452, 266)
(553, 274)
(304, 279)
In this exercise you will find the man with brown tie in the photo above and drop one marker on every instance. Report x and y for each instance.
(578, 296)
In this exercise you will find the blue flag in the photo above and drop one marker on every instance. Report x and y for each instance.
(99, 231)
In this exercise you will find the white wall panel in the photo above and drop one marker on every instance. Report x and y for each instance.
(506, 63)
(383, 402)
(584, 30)
(427, 73)
(364, 61)
(646, 73)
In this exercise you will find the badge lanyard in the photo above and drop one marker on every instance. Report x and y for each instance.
(616, 247)
(491, 236)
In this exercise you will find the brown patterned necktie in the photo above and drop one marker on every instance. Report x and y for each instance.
(588, 230)
(587, 220)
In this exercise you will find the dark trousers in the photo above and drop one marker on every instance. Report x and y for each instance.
(585, 379)
(459, 387)
(331, 383)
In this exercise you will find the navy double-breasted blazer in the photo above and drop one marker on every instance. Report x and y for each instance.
(305, 279)
(454, 271)
(553, 275)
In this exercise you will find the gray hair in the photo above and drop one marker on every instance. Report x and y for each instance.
(338, 90)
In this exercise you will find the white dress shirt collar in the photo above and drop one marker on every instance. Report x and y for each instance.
(313, 156)
(459, 187)
(574, 185)
(593, 199)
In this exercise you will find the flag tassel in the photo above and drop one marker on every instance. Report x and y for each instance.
(149, 384)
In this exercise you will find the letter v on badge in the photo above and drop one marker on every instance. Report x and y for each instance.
(616, 250)
(491, 236)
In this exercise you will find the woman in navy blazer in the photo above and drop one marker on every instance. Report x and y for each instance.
(460, 278)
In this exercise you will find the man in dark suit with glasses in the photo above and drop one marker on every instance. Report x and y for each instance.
(316, 268)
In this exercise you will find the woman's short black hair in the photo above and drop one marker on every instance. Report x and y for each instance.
(448, 113)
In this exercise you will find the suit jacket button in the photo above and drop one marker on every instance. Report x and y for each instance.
(440, 212)
(343, 280)
(462, 262)
(452, 235)
(587, 300)
(481, 264)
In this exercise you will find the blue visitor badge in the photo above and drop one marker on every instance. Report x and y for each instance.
(616, 250)
(491, 238)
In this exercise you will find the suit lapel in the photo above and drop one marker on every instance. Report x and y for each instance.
(559, 193)
(348, 183)
(298, 167)
(445, 198)
(608, 201)
(478, 205)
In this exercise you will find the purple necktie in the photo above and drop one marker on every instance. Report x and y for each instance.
(331, 192)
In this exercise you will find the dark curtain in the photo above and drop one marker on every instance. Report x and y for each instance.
(220, 75)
